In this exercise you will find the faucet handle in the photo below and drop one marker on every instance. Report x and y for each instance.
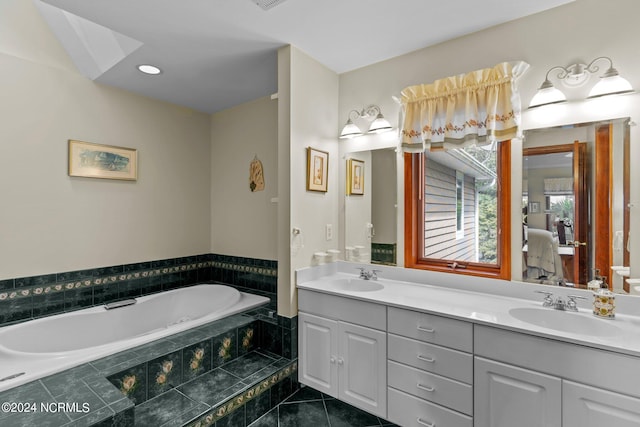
(548, 301)
(374, 274)
(571, 304)
(362, 273)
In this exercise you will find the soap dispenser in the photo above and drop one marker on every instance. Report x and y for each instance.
(604, 301)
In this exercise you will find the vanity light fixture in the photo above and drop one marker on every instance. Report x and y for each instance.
(149, 69)
(378, 125)
(575, 75)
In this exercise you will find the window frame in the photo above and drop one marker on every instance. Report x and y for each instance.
(414, 223)
(460, 205)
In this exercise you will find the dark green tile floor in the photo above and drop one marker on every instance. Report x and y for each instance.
(309, 407)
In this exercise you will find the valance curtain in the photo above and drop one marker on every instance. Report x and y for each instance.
(478, 107)
(558, 186)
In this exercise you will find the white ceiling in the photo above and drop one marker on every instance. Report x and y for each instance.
(219, 53)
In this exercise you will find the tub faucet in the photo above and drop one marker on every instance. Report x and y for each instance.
(119, 304)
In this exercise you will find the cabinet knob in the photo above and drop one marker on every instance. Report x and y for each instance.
(332, 360)
(340, 361)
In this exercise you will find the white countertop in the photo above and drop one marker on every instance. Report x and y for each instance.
(621, 334)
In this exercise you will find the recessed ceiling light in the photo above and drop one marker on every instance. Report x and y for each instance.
(149, 69)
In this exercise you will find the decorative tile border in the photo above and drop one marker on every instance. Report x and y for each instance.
(264, 271)
(114, 279)
(104, 280)
(231, 405)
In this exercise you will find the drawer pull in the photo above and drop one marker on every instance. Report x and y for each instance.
(423, 329)
(424, 423)
(426, 359)
(425, 388)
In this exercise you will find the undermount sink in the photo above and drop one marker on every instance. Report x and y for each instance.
(565, 321)
(354, 285)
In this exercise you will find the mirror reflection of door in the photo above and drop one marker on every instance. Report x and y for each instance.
(578, 193)
(555, 211)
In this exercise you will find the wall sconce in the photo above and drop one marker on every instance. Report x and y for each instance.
(575, 75)
(378, 125)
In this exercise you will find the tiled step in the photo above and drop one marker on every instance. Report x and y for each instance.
(240, 391)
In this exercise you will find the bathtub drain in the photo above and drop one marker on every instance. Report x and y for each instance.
(10, 377)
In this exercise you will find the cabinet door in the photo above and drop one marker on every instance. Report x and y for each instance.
(507, 396)
(318, 338)
(585, 406)
(363, 368)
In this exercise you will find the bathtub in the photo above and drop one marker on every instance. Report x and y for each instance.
(42, 347)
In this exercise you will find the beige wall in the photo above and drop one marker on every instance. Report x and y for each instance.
(308, 117)
(50, 222)
(243, 223)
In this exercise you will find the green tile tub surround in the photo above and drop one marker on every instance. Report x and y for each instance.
(143, 373)
(109, 405)
(197, 359)
(27, 298)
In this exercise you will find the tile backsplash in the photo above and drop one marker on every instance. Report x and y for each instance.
(32, 297)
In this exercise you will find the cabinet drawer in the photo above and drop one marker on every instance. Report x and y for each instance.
(341, 308)
(429, 328)
(409, 411)
(431, 387)
(432, 358)
(569, 361)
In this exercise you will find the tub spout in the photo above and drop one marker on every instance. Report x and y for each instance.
(118, 304)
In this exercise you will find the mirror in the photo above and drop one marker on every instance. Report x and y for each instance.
(371, 209)
(575, 220)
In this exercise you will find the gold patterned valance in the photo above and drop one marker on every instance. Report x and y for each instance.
(480, 106)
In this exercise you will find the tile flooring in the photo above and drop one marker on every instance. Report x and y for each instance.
(308, 407)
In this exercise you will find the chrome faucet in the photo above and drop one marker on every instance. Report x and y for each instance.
(368, 275)
(559, 303)
(119, 304)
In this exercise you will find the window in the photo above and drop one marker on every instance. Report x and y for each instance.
(457, 210)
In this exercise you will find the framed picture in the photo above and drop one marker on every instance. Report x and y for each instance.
(317, 169)
(534, 207)
(102, 161)
(355, 177)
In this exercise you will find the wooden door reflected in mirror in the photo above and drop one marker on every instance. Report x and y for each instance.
(574, 197)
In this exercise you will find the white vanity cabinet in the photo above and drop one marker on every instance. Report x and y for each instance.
(430, 370)
(343, 349)
(531, 381)
(586, 406)
(508, 396)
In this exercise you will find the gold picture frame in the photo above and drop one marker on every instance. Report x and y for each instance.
(355, 177)
(317, 170)
(90, 160)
